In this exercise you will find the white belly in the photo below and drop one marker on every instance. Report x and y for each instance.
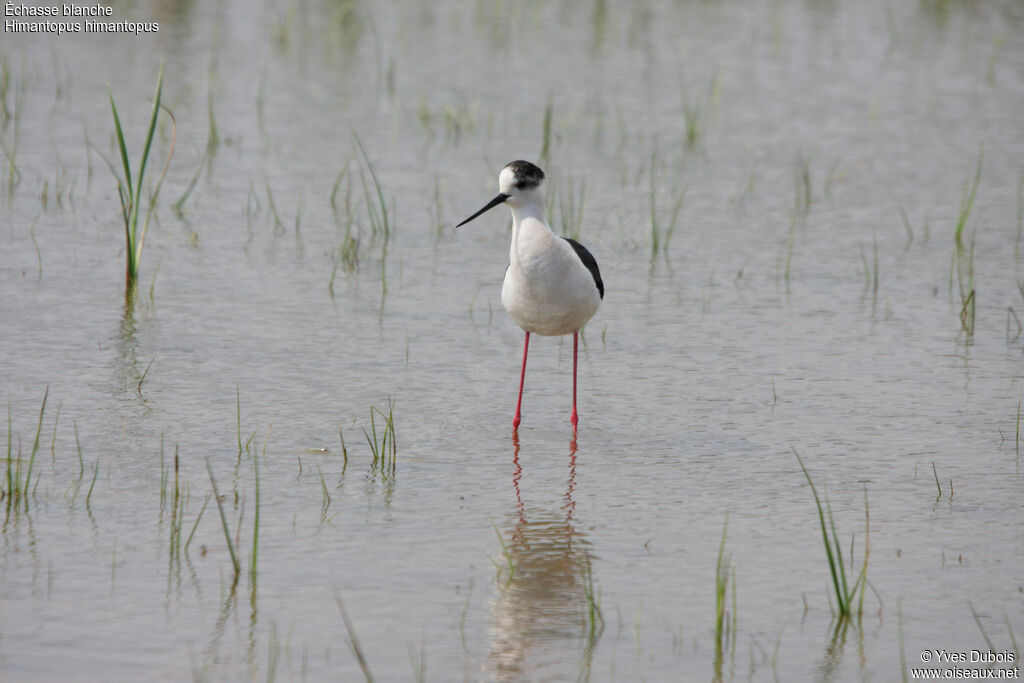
(551, 294)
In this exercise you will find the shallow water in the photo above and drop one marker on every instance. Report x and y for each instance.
(756, 331)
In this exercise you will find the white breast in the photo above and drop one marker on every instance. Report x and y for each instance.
(547, 289)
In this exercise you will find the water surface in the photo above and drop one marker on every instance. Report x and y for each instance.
(790, 309)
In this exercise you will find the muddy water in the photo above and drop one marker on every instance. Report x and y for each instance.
(791, 308)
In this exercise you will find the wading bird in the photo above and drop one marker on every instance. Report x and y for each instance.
(552, 286)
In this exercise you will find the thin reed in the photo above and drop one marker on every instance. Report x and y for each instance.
(224, 523)
(724, 620)
(967, 198)
(353, 641)
(592, 601)
(255, 522)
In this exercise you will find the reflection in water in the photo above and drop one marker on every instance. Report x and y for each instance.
(833, 657)
(127, 340)
(130, 373)
(543, 598)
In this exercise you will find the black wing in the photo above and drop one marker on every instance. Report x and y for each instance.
(589, 261)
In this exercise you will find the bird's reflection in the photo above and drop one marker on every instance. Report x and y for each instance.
(542, 599)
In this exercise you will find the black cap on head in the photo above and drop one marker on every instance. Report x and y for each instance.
(528, 176)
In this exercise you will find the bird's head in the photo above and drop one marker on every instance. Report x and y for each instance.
(519, 183)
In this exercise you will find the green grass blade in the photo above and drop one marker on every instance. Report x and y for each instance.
(238, 418)
(35, 447)
(844, 595)
(824, 530)
(92, 485)
(353, 641)
(195, 525)
(124, 191)
(380, 193)
(142, 166)
(255, 523)
(721, 580)
(10, 474)
(967, 199)
(120, 141)
(223, 521)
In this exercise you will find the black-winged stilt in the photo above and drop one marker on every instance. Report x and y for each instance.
(553, 285)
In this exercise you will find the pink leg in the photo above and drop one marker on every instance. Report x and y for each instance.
(517, 419)
(575, 349)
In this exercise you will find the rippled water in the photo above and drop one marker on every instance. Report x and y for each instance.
(812, 158)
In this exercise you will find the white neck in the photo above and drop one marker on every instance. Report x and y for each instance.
(530, 233)
(527, 210)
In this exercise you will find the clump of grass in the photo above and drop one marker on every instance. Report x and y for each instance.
(18, 491)
(695, 114)
(130, 190)
(662, 235)
(346, 255)
(963, 258)
(384, 448)
(845, 594)
(570, 206)
(376, 206)
(963, 255)
(725, 618)
(967, 198)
